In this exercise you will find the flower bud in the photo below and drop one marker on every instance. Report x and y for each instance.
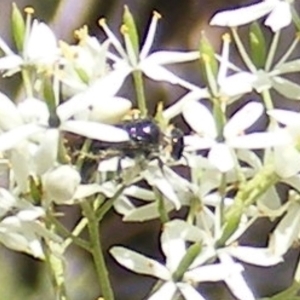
(60, 184)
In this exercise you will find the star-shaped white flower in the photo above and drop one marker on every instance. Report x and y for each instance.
(152, 65)
(40, 49)
(278, 14)
(221, 153)
(175, 235)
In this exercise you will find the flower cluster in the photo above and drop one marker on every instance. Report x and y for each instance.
(224, 171)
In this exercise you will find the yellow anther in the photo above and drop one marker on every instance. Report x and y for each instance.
(102, 22)
(29, 10)
(156, 14)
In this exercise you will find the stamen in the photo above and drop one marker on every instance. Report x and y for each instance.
(150, 35)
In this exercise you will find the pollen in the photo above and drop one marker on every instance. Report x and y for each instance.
(226, 38)
(81, 34)
(102, 22)
(156, 15)
(124, 29)
(29, 10)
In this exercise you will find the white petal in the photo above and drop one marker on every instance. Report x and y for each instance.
(244, 15)
(139, 263)
(259, 140)
(41, 45)
(285, 87)
(165, 292)
(200, 119)
(194, 142)
(104, 87)
(189, 292)
(174, 236)
(287, 161)
(214, 272)
(46, 154)
(97, 131)
(10, 62)
(286, 232)
(176, 108)
(9, 114)
(11, 138)
(243, 119)
(156, 178)
(110, 110)
(285, 117)
(237, 84)
(280, 16)
(221, 156)
(169, 57)
(158, 73)
(255, 256)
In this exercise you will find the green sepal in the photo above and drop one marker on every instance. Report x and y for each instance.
(35, 190)
(84, 77)
(48, 94)
(131, 30)
(208, 64)
(192, 252)
(288, 294)
(17, 27)
(257, 42)
(229, 228)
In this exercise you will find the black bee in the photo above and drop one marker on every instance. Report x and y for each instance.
(146, 140)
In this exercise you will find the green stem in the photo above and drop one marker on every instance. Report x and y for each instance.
(55, 263)
(27, 83)
(96, 250)
(69, 235)
(245, 197)
(140, 93)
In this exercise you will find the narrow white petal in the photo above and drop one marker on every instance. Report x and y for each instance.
(200, 119)
(286, 232)
(139, 263)
(189, 292)
(221, 156)
(170, 57)
(158, 73)
(165, 292)
(280, 16)
(97, 131)
(194, 142)
(243, 119)
(110, 110)
(286, 117)
(285, 87)
(255, 256)
(259, 140)
(244, 15)
(214, 272)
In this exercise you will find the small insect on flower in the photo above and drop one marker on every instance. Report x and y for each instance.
(147, 142)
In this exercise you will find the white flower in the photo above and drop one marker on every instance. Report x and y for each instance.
(278, 14)
(175, 235)
(20, 228)
(152, 65)
(221, 153)
(287, 155)
(40, 49)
